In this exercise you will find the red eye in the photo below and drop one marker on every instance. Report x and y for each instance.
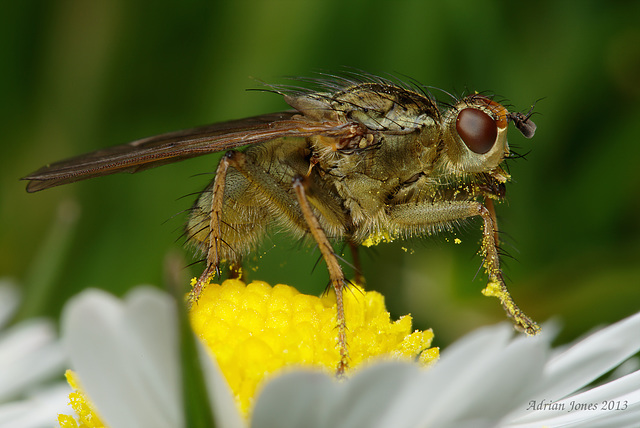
(477, 129)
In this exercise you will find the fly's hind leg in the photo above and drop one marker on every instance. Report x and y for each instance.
(214, 244)
(429, 215)
(335, 271)
(246, 184)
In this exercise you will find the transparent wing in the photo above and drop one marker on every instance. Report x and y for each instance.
(176, 146)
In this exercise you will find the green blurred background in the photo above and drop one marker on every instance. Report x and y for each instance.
(77, 76)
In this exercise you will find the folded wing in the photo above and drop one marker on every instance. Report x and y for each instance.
(172, 147)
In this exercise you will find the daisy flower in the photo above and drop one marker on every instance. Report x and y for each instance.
(30, 356)
(125, 353)
(125, 358)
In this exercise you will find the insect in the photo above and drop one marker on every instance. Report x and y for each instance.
(358, 160)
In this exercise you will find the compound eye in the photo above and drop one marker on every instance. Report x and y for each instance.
(477, 129)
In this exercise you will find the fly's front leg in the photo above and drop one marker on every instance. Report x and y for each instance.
(335, 271)
(488, 203)
(430, 215)
(496, 286)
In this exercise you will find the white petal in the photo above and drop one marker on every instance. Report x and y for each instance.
(221, 401)
(40, 410)
(422, 401)
(126, 357)
(578, 365)
(293, 400)
(484, 387)
(368, 398)
(156, 335)
(617, 399)
(29, 354)
(621, 396)
(591, 358)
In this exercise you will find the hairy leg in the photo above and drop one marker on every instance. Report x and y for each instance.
(426, 216)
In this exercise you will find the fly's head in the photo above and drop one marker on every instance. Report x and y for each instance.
(474, 134)
(474, 141)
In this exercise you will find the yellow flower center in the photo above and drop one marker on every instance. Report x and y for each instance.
(255, 330)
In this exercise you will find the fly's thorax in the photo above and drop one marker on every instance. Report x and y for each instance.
(386, 108)
(378, 107)
(474, 135)
(392, 119)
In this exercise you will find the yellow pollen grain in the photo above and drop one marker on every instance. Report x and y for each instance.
(377, 238)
